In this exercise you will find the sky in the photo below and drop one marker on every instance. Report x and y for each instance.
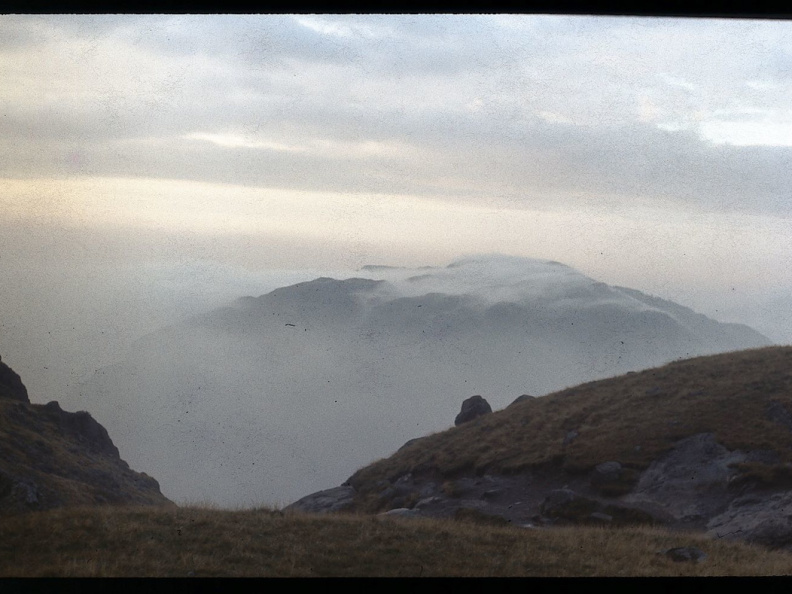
(155, 166)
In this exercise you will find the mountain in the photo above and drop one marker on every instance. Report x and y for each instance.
(701, 444)
(52, 458)
(280, 395)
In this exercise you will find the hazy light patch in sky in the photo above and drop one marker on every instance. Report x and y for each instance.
(683, 246)
(761, 133)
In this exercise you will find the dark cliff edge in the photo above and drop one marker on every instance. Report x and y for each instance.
(53, 458)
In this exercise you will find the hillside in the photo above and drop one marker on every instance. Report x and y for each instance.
(51, 458)
(703, 443)
(279, 395)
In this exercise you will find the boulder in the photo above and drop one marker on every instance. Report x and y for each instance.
(605, 474)
(473, 407)
(690, 481)
(761, 518)
(682, 554)
(327, 501)
(567, 505)
(401, 512)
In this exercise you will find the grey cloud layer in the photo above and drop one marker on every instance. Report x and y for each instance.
(481, 107)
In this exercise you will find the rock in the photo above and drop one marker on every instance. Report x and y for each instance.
(53, 458)
(776, 412)
(82, 427)
(605, 473)
(567, 505)
(690, 481)
(327, 501)
(758, 518)
(473, 407)
(11, 385)
(683, 554)
(401, 512)
(522, 398)
(570, 437)
(429, 501)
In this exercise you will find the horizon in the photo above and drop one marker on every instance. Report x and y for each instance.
(157, 166)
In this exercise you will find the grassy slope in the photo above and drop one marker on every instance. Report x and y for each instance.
(203, 542)
(631, 419)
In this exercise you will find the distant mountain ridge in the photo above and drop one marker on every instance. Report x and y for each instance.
(279, 395)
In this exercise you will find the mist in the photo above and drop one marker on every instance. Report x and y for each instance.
(154, 169)
(269, 398)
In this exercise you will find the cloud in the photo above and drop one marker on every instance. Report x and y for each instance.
(503, 109)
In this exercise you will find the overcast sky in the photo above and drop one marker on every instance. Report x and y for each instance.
(648, 152)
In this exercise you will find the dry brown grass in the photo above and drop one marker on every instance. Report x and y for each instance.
(160, 542)
(631, 419)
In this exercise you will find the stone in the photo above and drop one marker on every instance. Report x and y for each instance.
(777, 413)
(607, 472)
(570, 437)
(401, 512)
(473, 407)
(685, 554)
(327, 501)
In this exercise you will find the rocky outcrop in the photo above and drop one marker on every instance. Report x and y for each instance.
(81, 427)
(762, 518)
(699, 484)
(53, 458)
(685, 554)
(327, 501)
(11, 385)
(699, 445)
(689, 483)
(473, 407)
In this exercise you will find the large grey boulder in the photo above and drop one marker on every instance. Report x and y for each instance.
(690, 482)
(473, 407)
(762, 518)
(327, 501)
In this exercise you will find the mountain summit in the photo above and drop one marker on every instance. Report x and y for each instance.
(280, 395)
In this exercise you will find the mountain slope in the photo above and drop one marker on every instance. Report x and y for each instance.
(51, 458)
(703, 443)
(282, 394)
